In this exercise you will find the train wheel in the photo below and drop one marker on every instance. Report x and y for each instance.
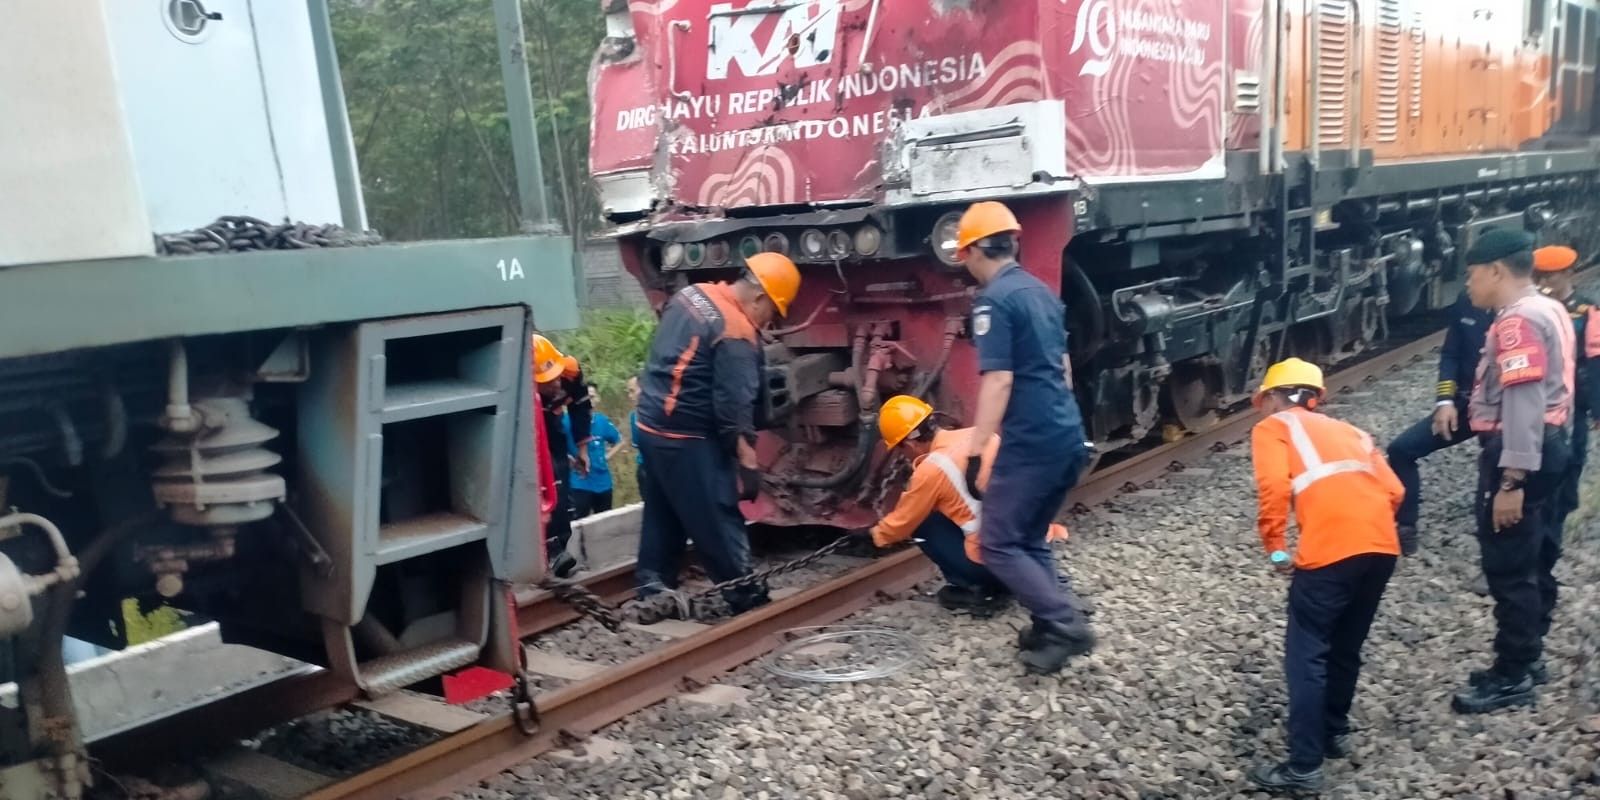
(1191, 394)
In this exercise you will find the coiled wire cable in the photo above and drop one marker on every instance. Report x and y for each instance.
(873, 653)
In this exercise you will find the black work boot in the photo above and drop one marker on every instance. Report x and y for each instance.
(563, 565)
(1538, 671)
(1052, 643)
(1284, 778)
(1339, 745)
(747, 599)
(1494, 692)
(1408, 539)
(980, 603)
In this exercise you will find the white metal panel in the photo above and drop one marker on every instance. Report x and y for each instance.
(68, 190)
(218, 128)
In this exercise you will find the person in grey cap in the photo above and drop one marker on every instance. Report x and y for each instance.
(1521, 409)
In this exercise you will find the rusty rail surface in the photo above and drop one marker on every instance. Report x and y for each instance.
(579, 709)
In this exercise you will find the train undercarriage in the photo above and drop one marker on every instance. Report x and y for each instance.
(1178, 296)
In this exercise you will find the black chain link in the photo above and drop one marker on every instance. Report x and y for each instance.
(238, 234)
(703, 605)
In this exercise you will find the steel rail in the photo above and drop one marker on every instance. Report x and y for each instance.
(577, 710)
(581, 708)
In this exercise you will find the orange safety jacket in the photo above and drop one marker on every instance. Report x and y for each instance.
(1343, 492)
(939, 484)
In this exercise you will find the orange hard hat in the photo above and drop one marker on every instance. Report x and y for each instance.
(1554, 258)
(900, 416)
(547, 364)
(778, 276)
(983, 220)
(569, 367)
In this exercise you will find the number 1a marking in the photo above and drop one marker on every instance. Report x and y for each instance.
(512, 272)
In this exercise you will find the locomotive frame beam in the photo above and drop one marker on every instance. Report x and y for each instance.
(56, 307)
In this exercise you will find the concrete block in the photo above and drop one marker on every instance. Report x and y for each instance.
(605, 540)
(560, 666)
(671, 628)
(422, 710)
(595, 749)
(718, 695)
(266, 776)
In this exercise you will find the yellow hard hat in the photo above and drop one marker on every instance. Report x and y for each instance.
(1290, 372)
(547, 360)
(983, 220)
(900, 416)
(778, 276)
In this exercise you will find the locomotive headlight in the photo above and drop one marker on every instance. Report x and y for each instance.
(838, 244)
(868, 239)
(749, 245)
(672, 255)
(813, 243)
(776, 243)
(946, 233)
(717, 252)
(694, 253)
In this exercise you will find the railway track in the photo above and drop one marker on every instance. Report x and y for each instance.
(490, 744)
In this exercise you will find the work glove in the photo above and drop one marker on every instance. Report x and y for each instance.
(974, 466)
(749, 483)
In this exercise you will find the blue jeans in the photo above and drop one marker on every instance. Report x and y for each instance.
(943, 542)
(1330, 611)
(1415, 444)
(1018, 507)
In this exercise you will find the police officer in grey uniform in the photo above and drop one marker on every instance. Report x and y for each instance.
(1521, 409)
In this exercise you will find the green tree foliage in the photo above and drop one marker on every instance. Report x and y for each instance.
(428, 112)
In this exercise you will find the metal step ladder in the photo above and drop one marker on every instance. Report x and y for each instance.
(458, 371)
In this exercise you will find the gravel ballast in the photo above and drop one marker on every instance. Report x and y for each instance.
(1185, 691)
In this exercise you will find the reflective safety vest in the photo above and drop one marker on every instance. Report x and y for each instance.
(1315, 468)
(939, 485)
(1333, 478)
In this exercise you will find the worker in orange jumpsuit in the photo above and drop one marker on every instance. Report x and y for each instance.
(697, 406)
(1344, 496)
(937, 511)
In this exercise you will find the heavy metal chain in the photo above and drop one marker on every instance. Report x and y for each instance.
(703, 605)
(237, 234)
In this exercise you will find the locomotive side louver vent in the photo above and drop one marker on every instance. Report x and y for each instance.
(1419, 41)
(1333, 71)
(1391, 29)
(1246, 92)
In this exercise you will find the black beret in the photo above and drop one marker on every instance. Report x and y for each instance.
(1497, 243)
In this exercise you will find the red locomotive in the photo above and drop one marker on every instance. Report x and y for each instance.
(1212, 184)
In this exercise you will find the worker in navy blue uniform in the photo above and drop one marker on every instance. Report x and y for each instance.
(696, 421)
(1019, 327)
(1447, 425)
(567, 406)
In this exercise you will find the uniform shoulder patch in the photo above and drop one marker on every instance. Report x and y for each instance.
(980, 319)
(1521, 357)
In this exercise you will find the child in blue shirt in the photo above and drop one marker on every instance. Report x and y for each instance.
(591, 491)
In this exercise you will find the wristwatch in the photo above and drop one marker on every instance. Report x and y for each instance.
(1512, 484)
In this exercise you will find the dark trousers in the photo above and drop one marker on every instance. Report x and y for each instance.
(1018, 507)
(945, 545)
(1518, 561)
(689, 493)
(585, 502)
(1330, 611)
(1416, 443)
(1567, 497)
(559, 530)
